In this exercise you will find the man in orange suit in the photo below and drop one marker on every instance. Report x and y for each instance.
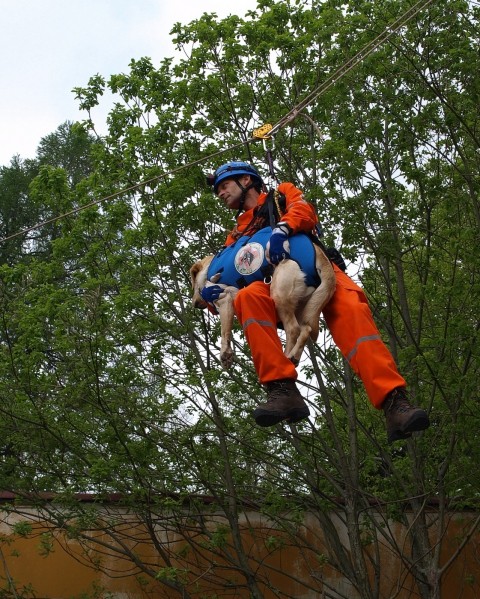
(347, 315)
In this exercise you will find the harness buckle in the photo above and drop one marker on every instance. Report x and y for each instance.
(268, 271)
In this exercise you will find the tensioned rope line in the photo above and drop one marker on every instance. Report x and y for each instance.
(290, 116)
(352, 63)
(120, 192)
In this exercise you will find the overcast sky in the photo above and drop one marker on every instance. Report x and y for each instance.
(48, 47)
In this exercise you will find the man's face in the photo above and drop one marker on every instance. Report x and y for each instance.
(230, 192)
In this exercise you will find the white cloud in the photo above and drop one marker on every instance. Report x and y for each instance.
(48, 47)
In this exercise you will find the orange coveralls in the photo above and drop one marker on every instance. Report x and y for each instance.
(347, 315)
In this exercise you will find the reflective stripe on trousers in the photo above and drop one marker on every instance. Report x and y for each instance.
(256, 311)
(355, 333)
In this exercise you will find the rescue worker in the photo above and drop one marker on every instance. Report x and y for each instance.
(347, 315)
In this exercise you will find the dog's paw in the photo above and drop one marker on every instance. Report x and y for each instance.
(226, 358)
(294, 355)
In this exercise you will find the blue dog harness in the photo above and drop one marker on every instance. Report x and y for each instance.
(244, 261)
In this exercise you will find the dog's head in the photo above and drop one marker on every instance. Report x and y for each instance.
(198, 277)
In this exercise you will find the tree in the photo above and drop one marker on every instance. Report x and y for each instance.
(111, 371)
(35, 190)
(16, 212)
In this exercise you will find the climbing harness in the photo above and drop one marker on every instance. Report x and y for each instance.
(244, 261)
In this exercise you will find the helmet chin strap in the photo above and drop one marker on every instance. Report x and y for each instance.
(243, 197)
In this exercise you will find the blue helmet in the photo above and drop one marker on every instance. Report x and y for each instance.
(231, 170)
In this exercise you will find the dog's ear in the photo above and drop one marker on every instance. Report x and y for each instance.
(194, 270)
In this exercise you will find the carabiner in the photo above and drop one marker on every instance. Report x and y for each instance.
(263, 133)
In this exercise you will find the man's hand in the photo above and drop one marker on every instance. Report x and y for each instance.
(278, 248)
(211, 293)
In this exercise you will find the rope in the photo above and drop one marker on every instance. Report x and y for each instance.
(120, 192)
(352, 63)
(272, 130)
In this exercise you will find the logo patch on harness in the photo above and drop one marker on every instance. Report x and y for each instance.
(249, 258)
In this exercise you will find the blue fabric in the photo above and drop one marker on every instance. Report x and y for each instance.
(244, 261)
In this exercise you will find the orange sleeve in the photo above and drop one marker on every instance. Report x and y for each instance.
(300, 216)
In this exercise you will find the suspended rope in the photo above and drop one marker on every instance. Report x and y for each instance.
(352, 63)
(121, 192)
(263, 133)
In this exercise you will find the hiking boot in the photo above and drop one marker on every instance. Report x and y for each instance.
(284, 402)
(402, 418)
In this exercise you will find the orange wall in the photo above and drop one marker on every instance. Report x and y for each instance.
(63, 574)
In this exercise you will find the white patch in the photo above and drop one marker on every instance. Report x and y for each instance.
(249, 258)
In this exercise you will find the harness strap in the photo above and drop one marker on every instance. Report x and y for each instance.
(243, 196)
(271, 215)
(267, 272)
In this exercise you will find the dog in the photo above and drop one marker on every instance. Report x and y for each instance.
(298, 305)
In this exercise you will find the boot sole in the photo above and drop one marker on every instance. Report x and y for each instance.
(267, 418)
(418, 422)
